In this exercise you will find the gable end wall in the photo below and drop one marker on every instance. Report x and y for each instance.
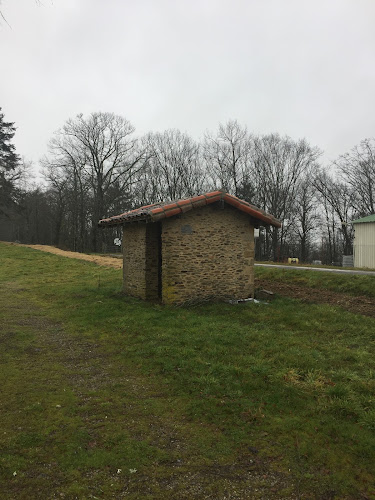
(364, 245)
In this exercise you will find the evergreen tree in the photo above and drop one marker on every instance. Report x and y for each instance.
(9, 163)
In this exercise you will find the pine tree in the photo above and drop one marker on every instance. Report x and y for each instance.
(9, 163)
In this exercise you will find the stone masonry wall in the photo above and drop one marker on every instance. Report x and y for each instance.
(207, 253)
(134, 254)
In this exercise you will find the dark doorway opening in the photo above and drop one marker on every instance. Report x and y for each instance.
(153, 261)
(160, 274)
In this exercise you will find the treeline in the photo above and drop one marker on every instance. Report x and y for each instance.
(96, 166)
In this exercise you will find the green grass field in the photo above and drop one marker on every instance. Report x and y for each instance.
(350, 284)
(103, 396)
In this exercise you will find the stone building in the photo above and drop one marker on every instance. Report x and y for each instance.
(200, 248)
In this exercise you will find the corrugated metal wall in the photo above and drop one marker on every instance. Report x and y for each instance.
(364, 245)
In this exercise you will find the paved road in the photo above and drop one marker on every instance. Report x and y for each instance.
(322, 269)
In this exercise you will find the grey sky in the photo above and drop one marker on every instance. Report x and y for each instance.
(299, 67)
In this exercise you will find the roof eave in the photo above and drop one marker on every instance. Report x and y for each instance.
(252, 211)
(111, 222)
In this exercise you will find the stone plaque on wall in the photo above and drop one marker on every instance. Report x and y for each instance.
(186, 229)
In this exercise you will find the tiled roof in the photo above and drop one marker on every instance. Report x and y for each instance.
(158, 211)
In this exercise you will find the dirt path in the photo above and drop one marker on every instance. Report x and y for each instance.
(97, 259)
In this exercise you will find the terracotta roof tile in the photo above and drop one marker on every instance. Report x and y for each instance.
(159, 211)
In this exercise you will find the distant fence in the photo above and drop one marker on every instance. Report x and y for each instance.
(347, 261)
(111, 248)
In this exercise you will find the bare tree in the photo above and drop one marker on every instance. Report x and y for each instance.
(338, 200)
(227, 155)
(71, 202)
(38, 2)
(100, 151)
(305, 218)
(357, 169)
(59, 204)
(279, 166)
(173, 168)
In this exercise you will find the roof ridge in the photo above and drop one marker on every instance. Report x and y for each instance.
(159, 211)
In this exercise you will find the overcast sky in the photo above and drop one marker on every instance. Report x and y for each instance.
(305, 68)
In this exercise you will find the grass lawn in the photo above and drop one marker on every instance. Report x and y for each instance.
(320, 266)
(356, 284)
(103, 396)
